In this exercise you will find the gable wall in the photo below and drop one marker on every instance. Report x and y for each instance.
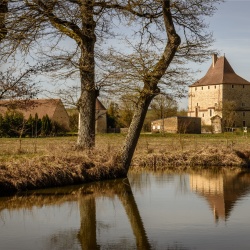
(61, 116)
(101, 121)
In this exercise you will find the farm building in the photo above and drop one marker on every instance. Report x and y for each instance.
(177, 124)
(54, 108)
(221, 98)
(100, 115)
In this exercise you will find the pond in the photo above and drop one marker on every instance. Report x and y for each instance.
(149, 210)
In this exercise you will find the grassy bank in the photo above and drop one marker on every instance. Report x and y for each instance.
(46, 162)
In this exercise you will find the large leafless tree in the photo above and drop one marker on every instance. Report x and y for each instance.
(38, 23)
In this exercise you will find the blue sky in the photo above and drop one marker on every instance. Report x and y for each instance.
(231, 28)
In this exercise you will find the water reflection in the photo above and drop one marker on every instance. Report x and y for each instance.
(86, 196)
(121, 189)
(222, 190)
(165, 224)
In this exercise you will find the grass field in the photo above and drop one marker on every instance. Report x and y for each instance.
(32, 163)
(12, 148)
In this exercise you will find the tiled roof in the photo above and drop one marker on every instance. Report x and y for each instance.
(221, 72)
(39, 106)
(99, 105)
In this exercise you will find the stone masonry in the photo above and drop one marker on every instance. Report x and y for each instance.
(210, 96)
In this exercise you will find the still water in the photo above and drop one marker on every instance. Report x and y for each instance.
(149, 210)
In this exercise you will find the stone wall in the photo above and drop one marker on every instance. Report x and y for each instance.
(204, 102)
(177, 124)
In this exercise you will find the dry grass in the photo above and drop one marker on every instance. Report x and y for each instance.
(47, 162)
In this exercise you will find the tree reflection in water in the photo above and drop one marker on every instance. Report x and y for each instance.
(121, 189)
(222, 190)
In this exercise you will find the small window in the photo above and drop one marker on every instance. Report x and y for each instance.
(243, 114)
(195, 88)
(211, 112)
(201, 88)
(208, 87)
(232, 86)
(197, 104)
(215, 86)
(202, 114)
(243, 86)
(242, 104)
(244, 124)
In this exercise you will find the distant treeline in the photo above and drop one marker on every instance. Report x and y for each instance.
(13, 124)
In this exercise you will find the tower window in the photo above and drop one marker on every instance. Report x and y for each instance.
(208, 87)
(243, 86)
(201, 88)
(215, 86)
(211, 112)
(232, 86)
(243, 114)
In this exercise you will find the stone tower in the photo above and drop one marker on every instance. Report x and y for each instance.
(221, 98)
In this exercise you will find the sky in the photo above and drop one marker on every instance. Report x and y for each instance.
(231, 29)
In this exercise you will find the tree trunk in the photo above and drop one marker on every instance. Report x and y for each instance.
(3, 12)
(86, 129)
(134, 130)
(86, 103)
(150, 86)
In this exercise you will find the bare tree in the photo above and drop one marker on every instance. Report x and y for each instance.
(229, 115)
(164, 106)
(188, 17)
(89, 22)
(15, 86)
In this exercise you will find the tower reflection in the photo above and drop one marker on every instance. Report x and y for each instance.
(221, 190)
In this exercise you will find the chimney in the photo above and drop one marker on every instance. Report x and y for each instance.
(214, 58)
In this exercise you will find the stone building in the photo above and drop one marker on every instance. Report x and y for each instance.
(54, 108)
(221, 98)
(177, 124)
(101, 117)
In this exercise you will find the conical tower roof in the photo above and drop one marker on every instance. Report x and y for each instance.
(220, 72)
